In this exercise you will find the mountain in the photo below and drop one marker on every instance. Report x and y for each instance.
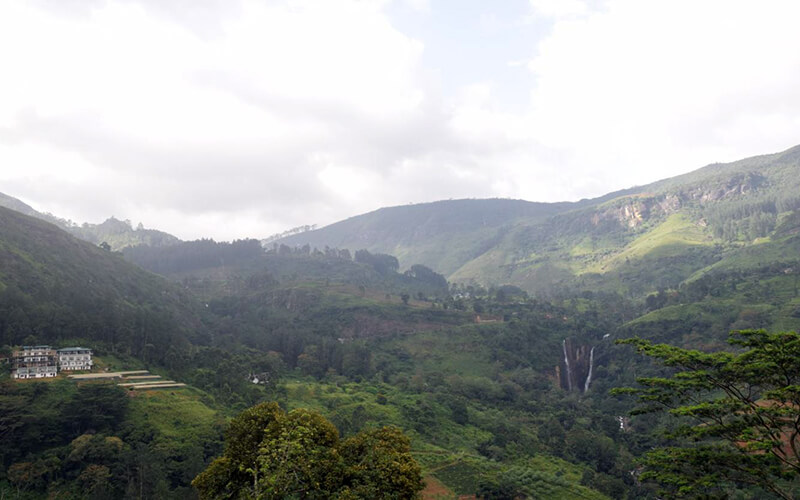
(17, 205)
(322, 330)
(56, 288)
(443, 235)
(498, 391)
(118, 234)
(633, 241)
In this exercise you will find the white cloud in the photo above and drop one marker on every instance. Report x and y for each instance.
(647, 88)
(558, 8)
(233, 119)
(419, 5)
(125, 91)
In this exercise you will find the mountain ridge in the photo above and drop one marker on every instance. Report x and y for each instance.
(549, 246)
(116, 233)
(635, 240)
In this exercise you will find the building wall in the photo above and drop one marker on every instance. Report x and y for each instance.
(43, 362)
(35, 372)
(75, 359)
(34, 362)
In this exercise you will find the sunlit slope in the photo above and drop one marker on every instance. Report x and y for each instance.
(748, 290)
(656, 236)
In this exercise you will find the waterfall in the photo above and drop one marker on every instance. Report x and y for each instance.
(566, 362)
(589, 376)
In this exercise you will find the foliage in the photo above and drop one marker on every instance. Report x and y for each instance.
(273, 454)
(187, 256)
(738, 415)
(382, 263)
(92, 440)
(428, 275)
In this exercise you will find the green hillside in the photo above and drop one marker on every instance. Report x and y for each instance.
(62, 439)
(443, 235)
(633, 241)
(54, 287)
(658, 235)
(324, 331)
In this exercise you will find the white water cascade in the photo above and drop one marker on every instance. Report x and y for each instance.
(566, 362)
(589, 376)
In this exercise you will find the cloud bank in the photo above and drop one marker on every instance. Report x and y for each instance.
(235, 119)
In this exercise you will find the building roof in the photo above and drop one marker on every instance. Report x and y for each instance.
(28, 351)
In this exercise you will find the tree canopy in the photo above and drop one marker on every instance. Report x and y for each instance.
(737, 416)
(383, 263)
(272, 454)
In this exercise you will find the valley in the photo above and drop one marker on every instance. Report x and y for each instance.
(484, 329)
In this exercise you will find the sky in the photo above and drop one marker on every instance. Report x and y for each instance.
(242, 118)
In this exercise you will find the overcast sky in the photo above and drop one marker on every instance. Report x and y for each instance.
(232, 119)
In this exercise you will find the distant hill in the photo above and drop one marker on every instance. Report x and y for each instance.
(118, 234)
(443, 235)
(17, 205)
(632, 241)
(654, 236)
(244, 264)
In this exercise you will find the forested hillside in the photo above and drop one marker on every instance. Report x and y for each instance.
(55, 288)
(92, 440)
(348, 336)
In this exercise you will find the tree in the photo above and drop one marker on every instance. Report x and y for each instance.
(427, 275)
(235, 473)
(378, 464)
(96, 407)
(95, 480)
(381, 262)
(297, 457)
(270, 454)
(737, 416)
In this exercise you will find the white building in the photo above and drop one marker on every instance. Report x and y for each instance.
(75, 358)
(37, 361)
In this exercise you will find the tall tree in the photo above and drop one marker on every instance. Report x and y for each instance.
(271, 454)
(737, 416)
